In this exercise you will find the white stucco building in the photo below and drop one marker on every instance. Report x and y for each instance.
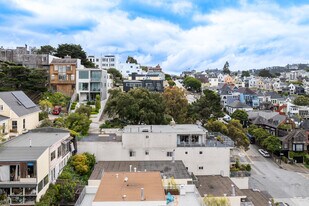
(128, 68)
(201, 152)
(104, 62)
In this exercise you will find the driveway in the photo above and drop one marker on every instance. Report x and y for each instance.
(287, 186)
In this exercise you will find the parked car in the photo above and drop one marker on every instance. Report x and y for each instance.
(264, 153)
(283, 204)
(56, 110)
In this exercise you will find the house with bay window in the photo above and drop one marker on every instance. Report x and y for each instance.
(31, 161)
(63, 74)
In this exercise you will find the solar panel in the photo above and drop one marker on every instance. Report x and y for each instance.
(23, 99)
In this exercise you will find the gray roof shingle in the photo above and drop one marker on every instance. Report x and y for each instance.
(18, 108)
(238, 104)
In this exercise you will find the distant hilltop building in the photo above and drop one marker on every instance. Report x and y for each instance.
(104, 62)
(25, 57)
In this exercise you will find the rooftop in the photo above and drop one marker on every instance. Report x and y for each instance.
(19, 149)
(238, 104)
(166, 168)
(19, 102)
(64, 61)
(178, 128)
(102, 138)
(126, 186)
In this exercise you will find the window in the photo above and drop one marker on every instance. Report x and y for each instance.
(187, 168)
(24, 123)
(83, 86)
(1, 107)
(169, 154)
(201, 152)
(52, 77)
(14, 125)
(96, 75)
(200, 168)
(146, 152)
(59, 151)
(83, 75)
(53, 156)
(72, 77)
(132, 154)
(298, 147)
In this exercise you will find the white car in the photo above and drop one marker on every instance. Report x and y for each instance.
(264, 153)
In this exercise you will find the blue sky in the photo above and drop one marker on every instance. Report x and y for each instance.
(177, 34)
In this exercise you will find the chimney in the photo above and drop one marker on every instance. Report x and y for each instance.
(142, 194)
(233, 190)
(134, 169)
(30, 142)
(130, 168)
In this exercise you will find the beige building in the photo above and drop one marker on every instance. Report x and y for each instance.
(31, 161)
(18, 113)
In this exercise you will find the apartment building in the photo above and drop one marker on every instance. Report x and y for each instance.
(25, 57)
(18, 113)
(91, 82)
(31, 161)
(104, 62)
(63, 73)
(127, 69)
(201, 152)
(153, 81)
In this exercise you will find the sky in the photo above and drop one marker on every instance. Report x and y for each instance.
(177, 34)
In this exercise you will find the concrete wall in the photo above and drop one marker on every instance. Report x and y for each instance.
(42, 171)
(214, 160)
(241, 182)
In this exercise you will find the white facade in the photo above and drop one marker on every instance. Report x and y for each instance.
(200, 154)
(104, 62)
(91, 82)
(128, 68)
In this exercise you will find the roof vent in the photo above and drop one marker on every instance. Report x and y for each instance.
(126, 179)
(124, 197)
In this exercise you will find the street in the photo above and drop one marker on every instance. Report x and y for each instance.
(190, 97)
(286, 186)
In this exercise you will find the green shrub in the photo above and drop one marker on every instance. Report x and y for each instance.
(43, 115)
(248, 167)
(73, 105)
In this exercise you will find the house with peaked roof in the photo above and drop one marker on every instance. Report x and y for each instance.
(248, 97)
(296, 141)
(237, 105)
(18, 113)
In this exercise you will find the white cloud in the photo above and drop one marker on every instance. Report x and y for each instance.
(252, 36)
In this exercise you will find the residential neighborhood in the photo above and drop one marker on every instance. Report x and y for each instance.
(154, 103)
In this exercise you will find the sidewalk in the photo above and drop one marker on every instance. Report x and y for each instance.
(95, 124)
(300, 168)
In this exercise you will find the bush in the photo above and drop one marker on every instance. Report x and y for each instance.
(46, 123)
(73, 105)
(248, 167)
(43, 115)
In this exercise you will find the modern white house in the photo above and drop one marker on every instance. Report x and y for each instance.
(104, 62)
(31, 161)
(201, 152)
(18, 113)
(91, 82)
(128, 68)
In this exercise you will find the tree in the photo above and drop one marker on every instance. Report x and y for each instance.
(56, 98)
(168, 77)
(78, 122)
(240, 115)
(251, 128)
(84, 110)
(45, 105)
(138, 106)
(217, 126)
(75, 51)
(265, 73)
(245, 74)
(237, 134)
(216, 201)
(131, 60)
(171, 83)
(46, 49)
(97, 102)
(117, 76)
(206, 107)
(226, 68)
(192, 83)
(272, 144)
(301, 100)
(260, 135)
(176, 104)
